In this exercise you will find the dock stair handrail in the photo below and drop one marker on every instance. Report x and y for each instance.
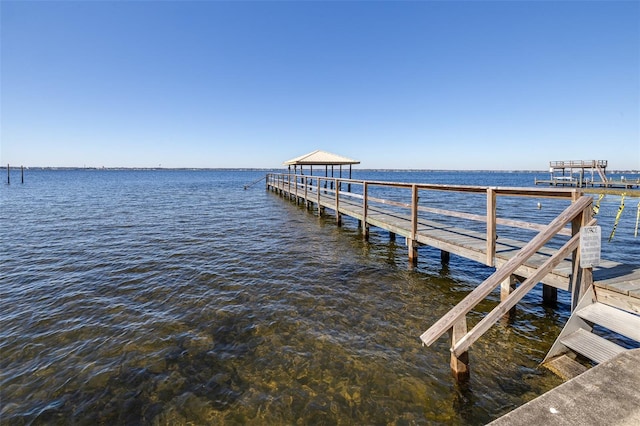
(455, 315)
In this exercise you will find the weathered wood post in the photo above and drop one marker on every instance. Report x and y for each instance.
(582, 278)
(506, 288)
(444, 257)
(412, 244)
(337, 185)
(320, 208)
(459, 364)
(491, 226)
(365, 206)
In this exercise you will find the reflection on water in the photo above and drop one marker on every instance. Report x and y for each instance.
(169, 297)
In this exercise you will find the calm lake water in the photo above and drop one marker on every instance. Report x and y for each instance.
(175, 297)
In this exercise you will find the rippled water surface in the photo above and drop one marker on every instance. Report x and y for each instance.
(175, 297)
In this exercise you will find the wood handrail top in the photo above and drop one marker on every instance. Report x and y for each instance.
(499, 190)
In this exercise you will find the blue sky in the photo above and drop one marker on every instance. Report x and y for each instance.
(418, 85)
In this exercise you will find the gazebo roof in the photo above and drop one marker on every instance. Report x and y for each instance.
(320, 158)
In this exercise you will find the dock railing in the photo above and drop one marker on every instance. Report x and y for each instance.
(412, 206)
(454, 322)
(413, 202)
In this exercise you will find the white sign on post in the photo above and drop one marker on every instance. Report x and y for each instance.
(590, 246)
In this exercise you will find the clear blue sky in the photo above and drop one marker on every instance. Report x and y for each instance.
(424, 85)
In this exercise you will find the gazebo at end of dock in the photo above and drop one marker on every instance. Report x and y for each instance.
(321, 158)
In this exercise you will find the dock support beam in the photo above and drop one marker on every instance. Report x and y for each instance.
(459, 364)
(549, 295)
(506, 288)
(392, 236)
(412, 245)
(444, 257)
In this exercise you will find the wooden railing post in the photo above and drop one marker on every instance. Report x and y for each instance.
(337, 185)
(412, 244)
(365, 206)
(491, 226)
(581, 278)
(318, 201)
(459, 364)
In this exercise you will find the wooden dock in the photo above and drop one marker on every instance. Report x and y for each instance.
(583, 174)
(550, 256)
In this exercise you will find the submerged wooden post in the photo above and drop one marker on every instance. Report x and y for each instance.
(22, 174)
(459, 364)
(491, 226)
(392, 236)
(412, 244)
(444, 257)
(8, 175)
(506, 287)
(549, 295)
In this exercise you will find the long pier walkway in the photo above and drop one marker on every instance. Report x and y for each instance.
(524, 253)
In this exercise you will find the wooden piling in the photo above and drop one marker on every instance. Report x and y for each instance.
(459, 364)
(444, 257)
(549, 295)
(22, 174)
(8, 175)
(506, 288)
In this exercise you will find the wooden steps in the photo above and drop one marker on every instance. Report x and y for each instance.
(577, 336)
(614, 319)
(594, 347)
